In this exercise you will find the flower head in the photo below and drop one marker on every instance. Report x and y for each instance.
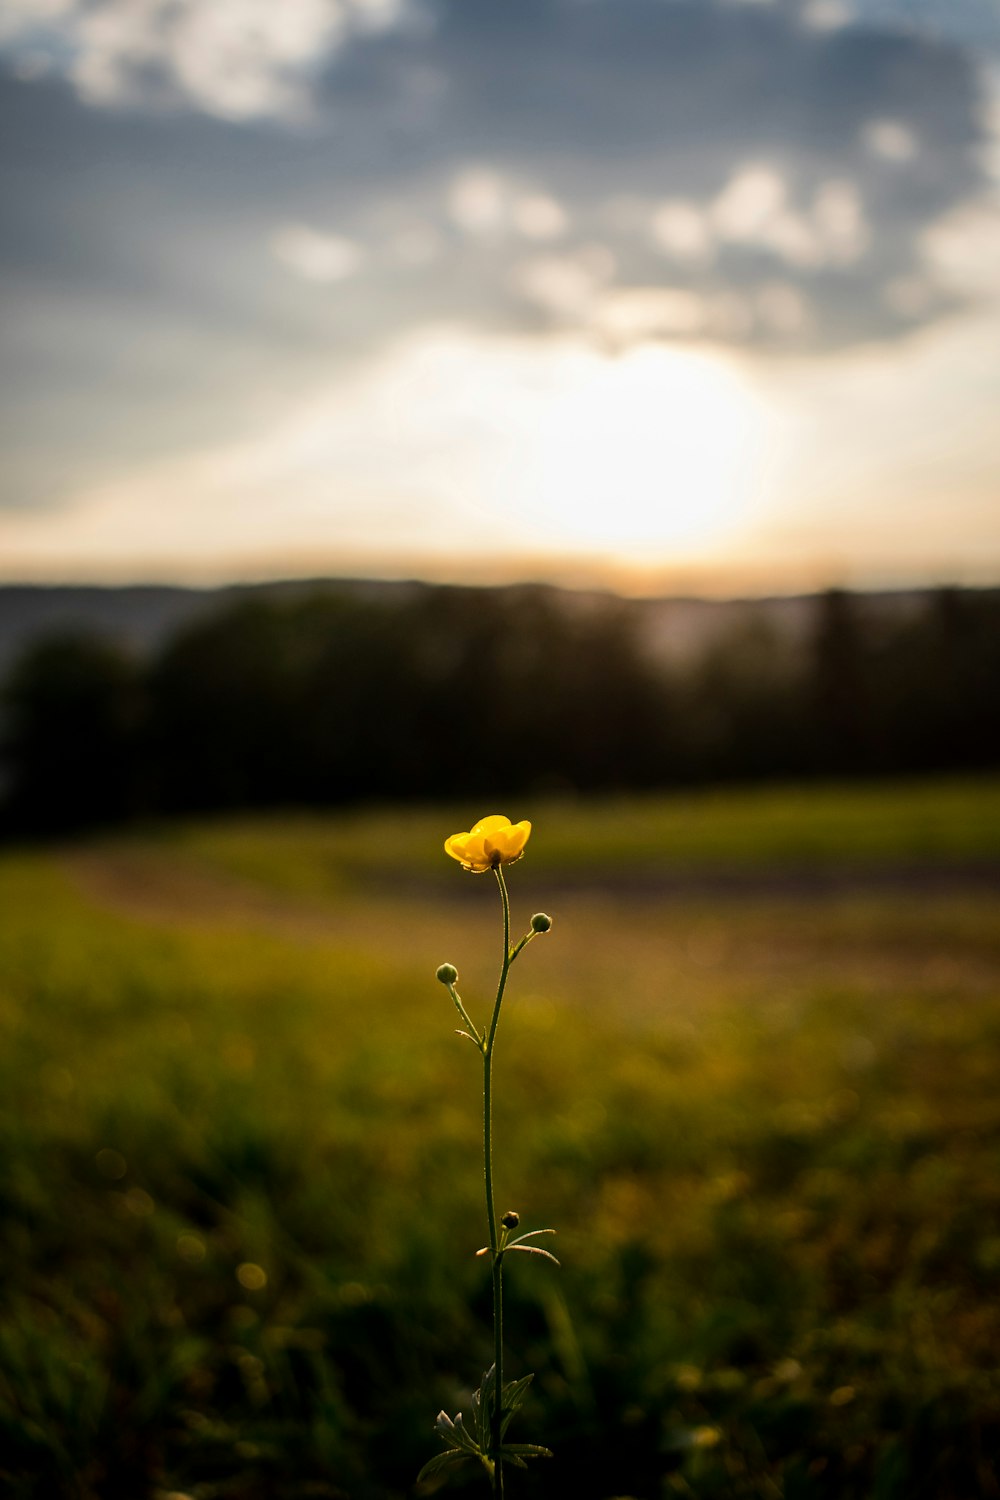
(493, 841)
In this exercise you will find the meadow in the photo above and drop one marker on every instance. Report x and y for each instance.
(751, 1076)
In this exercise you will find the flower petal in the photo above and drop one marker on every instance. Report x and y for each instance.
(508, 842)
(519, 835)
(491, 823)
(493, 840)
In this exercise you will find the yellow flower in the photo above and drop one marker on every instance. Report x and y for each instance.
(493, 841)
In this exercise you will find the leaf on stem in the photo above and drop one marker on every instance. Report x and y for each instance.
(513, 1397)
(533, 1250)
(456, 1433)
(482, 1402)
(514, 1392)
(529, 1236)
(442, 1462)
(463, 1447)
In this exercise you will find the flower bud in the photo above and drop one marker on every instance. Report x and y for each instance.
(510, 1219)
(447, 974)
(540, 922)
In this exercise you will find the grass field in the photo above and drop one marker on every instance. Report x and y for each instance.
(751, 1076)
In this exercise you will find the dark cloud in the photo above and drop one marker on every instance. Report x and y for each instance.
(631, 168)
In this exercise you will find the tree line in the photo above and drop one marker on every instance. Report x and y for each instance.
(332, 697)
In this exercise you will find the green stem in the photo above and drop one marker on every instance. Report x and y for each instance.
(491, 1218)
(498, 1386)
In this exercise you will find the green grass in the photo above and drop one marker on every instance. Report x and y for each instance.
(917, 823)
(239, 1154)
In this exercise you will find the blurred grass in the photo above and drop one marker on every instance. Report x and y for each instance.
(239, 1154)
(944, 822)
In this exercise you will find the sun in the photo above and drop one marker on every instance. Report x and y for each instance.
(447, 448)
(648, 456)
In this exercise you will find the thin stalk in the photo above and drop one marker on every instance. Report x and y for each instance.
(491, 1217)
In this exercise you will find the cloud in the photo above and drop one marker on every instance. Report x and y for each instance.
(565, 286)
(751, 199)
(754, 210)
(333, 176)
(681, 229)
(477, 201)
(636, 315)
(973, 22)
(234, 59)
(314, 255)
(483, 203)
(716, 149)
(893, 140)
(826, 15)
(962, 249)
(538, 216)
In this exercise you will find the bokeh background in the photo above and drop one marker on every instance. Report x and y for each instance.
(581, 409)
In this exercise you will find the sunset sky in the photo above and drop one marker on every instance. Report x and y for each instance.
(696, 295)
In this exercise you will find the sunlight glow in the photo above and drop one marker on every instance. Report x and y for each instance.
(448, 446)
(649, 454)
(666, 467)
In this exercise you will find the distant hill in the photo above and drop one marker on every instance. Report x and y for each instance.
(143, 616)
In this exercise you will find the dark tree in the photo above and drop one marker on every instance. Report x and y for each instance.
(842, 729)
(744, 709)
(332, 696)
(939, 685)
(226, 728)
(72, 713)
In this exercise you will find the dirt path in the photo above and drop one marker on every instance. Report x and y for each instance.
(155, 885)
(161, 884)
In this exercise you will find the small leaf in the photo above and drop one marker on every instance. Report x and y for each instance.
(464, 1438)
(515, 1392)
(513, 1398)
(529, 1236)
(483, 1400)
(442, 1462)
(525, 1450)
(534, 1250)
(456, 1433)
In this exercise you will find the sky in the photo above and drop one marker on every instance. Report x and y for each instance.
(662, 295)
